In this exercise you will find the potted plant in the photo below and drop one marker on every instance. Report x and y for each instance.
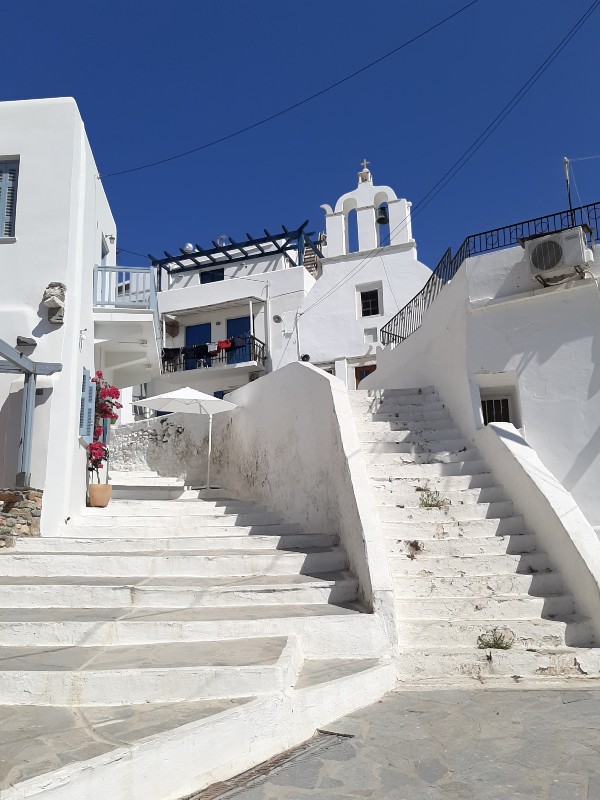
(99, 493)
(107, 405)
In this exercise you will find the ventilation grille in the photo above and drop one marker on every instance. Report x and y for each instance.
(546, 255)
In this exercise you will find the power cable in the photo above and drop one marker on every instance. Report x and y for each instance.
(302, 102)
(472, 149)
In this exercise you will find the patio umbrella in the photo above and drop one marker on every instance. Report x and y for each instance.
(189, 401)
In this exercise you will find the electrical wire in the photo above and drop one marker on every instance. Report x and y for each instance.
(131, 252)
(302, 102)
(472, 149)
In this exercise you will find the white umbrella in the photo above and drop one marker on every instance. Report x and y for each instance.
(189, 401)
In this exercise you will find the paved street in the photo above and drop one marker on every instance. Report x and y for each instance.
(452, 745)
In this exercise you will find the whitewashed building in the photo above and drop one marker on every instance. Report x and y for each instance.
(290, 296)
(64, 302)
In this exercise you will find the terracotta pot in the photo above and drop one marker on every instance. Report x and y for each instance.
(99, 494)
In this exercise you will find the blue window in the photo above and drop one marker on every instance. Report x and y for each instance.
(212, 275)
(9, 172)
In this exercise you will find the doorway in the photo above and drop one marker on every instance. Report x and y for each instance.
(362, 372)
(239, 328)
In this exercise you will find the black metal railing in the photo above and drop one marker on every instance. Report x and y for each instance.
(242, 350)
(409, 318)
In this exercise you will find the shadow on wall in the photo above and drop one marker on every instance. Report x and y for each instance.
(10, 426)
(174, 445)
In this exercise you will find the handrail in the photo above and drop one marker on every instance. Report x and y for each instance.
(124, 287)
(410, 318)
(176, 359)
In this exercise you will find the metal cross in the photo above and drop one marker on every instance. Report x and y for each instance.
(364, 163)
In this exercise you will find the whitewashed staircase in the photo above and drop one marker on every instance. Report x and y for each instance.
(462, 561)
(189, 610)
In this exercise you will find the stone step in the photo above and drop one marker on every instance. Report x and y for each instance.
(170, 508)
(167, 672)
(433, 415)
(152, 592)
(409, 430)
(393, 460)
(340, 631)
(506, 526)
(149, 491)
(195, 743)
(479, 566)
(422, 471)
(396, 512)
(561, 663)
(541, 584)
(523, 633)
(218, 563)
(426, 438)
(415, 448)
(467, 546)
(142, 479)
(496, 606)
(419, 390)
(179, 544)
(175, 531)
(357, 399)
(412, 495)
(441, 483)
(187, 521)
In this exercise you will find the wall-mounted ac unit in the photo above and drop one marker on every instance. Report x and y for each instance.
(557, 254)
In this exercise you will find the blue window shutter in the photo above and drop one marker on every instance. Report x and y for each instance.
(87, 407)
(8, 196)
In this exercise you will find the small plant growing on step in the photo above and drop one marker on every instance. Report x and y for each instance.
(496, 639)
(413, 548)
(431, 498)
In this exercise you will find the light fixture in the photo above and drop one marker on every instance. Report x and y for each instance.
(305, 357)
(188, 247)
(276, 318)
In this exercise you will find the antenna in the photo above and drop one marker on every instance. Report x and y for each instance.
(566, 163)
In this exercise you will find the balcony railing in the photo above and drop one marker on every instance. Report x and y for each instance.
(243, 349)
(409, 318)
(124, 287)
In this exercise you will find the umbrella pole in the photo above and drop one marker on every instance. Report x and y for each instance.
(209, 450)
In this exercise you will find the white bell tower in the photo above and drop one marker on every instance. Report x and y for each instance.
(366, 199)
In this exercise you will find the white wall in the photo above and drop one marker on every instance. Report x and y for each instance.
(61, 215)
(292, 445)
(490, 326)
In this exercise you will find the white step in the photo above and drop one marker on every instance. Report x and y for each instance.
(465, 546)
(409, 430)
(496, 606)
(169, 509)
(423, 471)
(428, 438)
(541, 584)
(391, 460)
(168, 672)
(414, 448)
(528, 633)
(418, 390)
(480, 566)
(410, 495)
(182, 521)
(433, 415)
(86, 592)
(176, 532)
(395, 512)
(448, 528)
(441, 483)
(180, 544)
(562, 663)
(339, 631)
(141, 478)
(218, 563)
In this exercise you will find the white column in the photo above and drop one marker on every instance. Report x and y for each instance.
(367, 234)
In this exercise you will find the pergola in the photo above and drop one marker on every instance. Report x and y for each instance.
(220, 255)
(12, 361)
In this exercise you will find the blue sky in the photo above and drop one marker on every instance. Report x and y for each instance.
(153, 79)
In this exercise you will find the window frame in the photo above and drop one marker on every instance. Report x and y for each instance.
(8, 220)
(375, 286)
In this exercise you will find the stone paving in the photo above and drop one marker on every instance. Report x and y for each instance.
(460, 744)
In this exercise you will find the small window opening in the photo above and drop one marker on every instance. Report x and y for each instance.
(213, 275)
(352, 231)
(369, 303)
(496, 409)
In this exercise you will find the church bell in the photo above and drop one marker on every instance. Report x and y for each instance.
(382, 216)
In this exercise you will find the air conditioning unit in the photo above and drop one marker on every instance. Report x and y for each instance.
(557, 254)
(254, 376)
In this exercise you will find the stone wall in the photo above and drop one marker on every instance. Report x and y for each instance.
(20, 514)
(174, 445)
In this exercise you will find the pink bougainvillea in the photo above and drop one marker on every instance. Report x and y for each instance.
(107, 406)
